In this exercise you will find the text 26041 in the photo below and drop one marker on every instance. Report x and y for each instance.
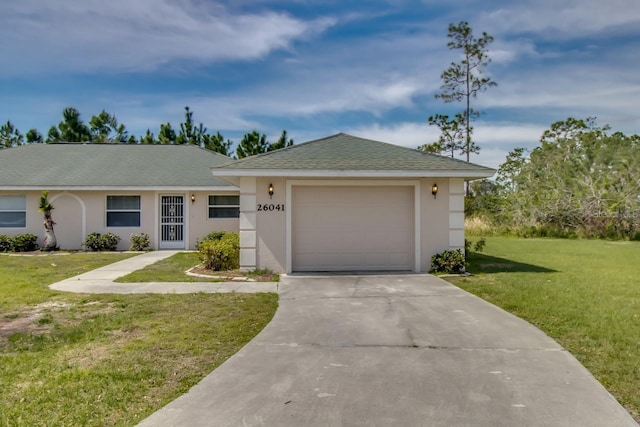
(271, 207)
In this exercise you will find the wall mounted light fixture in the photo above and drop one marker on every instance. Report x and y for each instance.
(434, 190)
(193, 198)
(271, 191)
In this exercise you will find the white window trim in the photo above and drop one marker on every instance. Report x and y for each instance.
(107, 210)
(14, 211)
(209, 206)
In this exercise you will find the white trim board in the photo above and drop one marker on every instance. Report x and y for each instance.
(322, 173)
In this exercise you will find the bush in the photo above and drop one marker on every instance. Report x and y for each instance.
(220, 254)
(24, 243)
(6, 243)
(139, 242)
(213, 236)
(479, 245)
(450, 261)
(101, 242)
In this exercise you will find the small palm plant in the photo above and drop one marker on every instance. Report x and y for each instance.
(50, 242)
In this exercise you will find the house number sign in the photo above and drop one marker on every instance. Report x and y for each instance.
(271, 207)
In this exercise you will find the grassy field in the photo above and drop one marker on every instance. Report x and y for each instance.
(583, 293)
(99, 360)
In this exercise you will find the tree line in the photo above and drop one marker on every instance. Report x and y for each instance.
(583, 180)
(105, 128)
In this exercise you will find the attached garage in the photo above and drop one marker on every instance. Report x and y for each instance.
(353, 228)
(348, 204)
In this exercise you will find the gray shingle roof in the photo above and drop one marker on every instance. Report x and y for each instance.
(109, 165)
(344, 152)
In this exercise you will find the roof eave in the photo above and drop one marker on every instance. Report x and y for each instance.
(330, 173)
(117, 188)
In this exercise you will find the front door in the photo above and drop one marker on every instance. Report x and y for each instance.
(171, 222)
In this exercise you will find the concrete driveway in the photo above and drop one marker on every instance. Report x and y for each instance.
(394, 350)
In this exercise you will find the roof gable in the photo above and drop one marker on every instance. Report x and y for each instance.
(70, 165)
(343, 154)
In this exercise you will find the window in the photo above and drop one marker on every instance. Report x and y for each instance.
(123, 211)
(224, 206)
(13, 211)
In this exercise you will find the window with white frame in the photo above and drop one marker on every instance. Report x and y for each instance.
(224, 206)
(13, 211)
(123, 211)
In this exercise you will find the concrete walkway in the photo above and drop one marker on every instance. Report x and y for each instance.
(101, 280)
(394, 350)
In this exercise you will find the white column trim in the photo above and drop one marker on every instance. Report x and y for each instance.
(248, 222)
(156, 221)
(417, 218)
(456, 206)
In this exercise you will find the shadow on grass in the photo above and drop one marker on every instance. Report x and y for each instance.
(480, 263)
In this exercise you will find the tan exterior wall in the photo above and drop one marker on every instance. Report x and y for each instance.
(271, 224)
(34, 218)
(198, 217)
(441, 221)
(263, 232)
(69, 217)
(78, 213)
(434, 223)
(96, 206)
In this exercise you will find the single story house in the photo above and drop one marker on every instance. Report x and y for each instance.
(339, 203)
(166, 191)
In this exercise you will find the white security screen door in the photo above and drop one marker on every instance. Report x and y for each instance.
(172, 222)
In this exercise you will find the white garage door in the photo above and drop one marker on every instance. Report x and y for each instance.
(352, 228)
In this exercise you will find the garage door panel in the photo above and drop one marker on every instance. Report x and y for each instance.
(352, 228)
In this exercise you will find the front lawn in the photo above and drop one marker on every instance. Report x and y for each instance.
(108, 359)
(583, 293)
(173, 269)
(170, 269)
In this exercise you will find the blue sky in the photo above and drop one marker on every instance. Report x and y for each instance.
(315, 68)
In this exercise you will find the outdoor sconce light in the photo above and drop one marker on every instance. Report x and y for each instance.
(271, 191)
(193, 198)
(434, 190)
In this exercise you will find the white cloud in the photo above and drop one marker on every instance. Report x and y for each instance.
(496, 140)
(561, 18)
(405, 134)
(328, 84)
(140, 35)
(246, 109)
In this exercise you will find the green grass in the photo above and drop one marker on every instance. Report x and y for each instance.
(22, 278)
(171, 269)
(583, 293)
(108, 359)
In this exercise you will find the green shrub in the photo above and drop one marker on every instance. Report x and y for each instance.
(477, 246)
(220, 254)
(6, 243)
(101, 242)
(450, 261)
(213, 236)
(25, 243)
(139, 242)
